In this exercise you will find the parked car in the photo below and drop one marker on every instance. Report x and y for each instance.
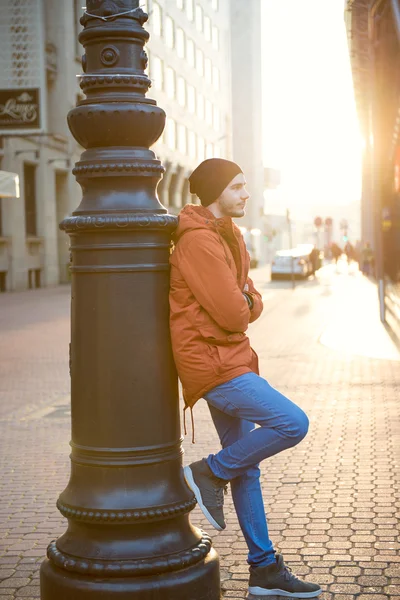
(303, 264)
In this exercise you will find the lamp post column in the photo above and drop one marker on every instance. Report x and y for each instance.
(127, 504)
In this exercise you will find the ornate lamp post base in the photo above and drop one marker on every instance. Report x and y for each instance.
(129, 536)
(197, 582)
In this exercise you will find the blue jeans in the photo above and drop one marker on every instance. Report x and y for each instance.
(235, 407)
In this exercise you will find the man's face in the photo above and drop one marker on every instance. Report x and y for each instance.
(232, 201)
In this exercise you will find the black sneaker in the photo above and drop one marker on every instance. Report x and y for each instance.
(278, 580)
(209, 491)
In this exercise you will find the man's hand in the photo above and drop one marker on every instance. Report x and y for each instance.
(249, 300)
(255, 298)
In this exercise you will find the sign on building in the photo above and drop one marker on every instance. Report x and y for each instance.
(22, 67)
(20, 109)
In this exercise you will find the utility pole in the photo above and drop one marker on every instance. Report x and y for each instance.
(289, 222)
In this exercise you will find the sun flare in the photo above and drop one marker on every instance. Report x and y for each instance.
(311, 131)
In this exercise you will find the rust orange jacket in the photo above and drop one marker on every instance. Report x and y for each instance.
(209, 314)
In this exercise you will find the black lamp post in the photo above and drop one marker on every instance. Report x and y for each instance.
(127, 505)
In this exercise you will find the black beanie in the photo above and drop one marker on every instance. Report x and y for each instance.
(211, 177)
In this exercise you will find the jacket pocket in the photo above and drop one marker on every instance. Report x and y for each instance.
(229, 351)
(217, 337)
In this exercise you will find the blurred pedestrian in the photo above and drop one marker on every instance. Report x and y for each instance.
(315, 259)
(336, 251)
(357, 253)
(349, 252)
(367, 258)
(212, 302)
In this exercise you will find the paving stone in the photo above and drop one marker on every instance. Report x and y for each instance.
(321, 579)
(32, 591)
(372, 580)
(372, 597)
(344, 588)
(393, 571)
(351, 571)
(391, 589)
(234, 585)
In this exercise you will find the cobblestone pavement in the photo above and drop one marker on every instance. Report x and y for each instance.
(333, 502)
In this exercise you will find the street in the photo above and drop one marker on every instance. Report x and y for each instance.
(333, 502)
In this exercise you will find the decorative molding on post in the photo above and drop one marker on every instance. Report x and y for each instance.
(151, 566)
(127, 503)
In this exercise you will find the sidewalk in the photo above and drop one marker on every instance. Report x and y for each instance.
(356, 327)
(333, 502)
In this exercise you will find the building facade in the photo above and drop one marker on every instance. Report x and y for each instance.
(40, 59)
(374, 42)
(190, 68)
(247, 125)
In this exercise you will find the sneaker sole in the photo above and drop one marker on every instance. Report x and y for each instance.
(259, 591)
(187, 472)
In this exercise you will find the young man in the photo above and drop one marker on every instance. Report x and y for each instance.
(212, 302)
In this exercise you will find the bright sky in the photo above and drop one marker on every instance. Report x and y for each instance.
(310, 124)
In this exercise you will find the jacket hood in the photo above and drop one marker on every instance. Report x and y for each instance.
(195, 216)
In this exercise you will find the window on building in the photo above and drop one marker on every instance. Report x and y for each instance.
(200, 106)
(216, 119)
(169, 32)
(215, 37)
(214, 4)
(157, 72)
(182, 143)
(191, 99)
(200, 148)
(215, 78)
(209, 151)
(207, 28)
(180, 4)
(208, 70)
(170, 82)
(199, 17)
(171, 134)
(190, 52)
(200, 62)
(192, 144)
(30, 199)
(209, 112)
(190, 9)
(181, 91)
(157, 19)
(180, 42)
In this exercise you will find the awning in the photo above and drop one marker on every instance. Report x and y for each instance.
(9, 185)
